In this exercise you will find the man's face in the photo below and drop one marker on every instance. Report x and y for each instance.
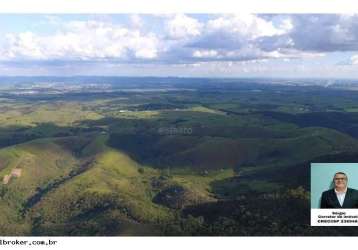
(340, 181)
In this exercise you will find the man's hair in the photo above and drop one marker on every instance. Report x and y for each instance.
(341, 173)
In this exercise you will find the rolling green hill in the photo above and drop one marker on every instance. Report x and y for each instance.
(80, 186)
(168, 162)
(214, 153)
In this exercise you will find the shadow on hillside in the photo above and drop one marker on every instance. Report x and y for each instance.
(12, 135)
(179, 141)
(344, 122)
(280, 214)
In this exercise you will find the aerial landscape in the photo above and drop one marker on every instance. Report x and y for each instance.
(185, 151)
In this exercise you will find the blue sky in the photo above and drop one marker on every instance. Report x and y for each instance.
(201, 45)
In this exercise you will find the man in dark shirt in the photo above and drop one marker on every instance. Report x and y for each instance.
(340, 196)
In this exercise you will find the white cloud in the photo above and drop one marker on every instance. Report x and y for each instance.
(25, 44)
(286, 25)
(91, 40)
(234, 37)
(136, 21)
(182, 26)
(354, 60)
(184, 39)
(322, 33)
(248, 25)
(205, 53)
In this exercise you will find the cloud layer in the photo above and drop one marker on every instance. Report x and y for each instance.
(184, 39)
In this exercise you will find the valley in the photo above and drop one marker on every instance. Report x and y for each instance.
(167, 156)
